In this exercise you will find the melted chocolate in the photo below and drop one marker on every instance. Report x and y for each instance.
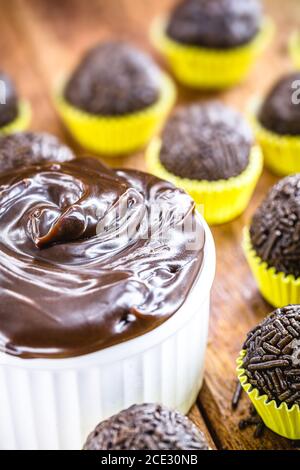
(72, 280)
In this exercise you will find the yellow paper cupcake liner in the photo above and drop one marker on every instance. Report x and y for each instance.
(21, 122)
(276, 287)
(219, 201)
(200, 67)
(281, 419)
(118, 135)
(281, 153)
(294, 48)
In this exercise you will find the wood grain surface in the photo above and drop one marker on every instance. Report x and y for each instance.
(40, 41)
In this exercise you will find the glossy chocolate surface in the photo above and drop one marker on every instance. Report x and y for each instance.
(81, 267)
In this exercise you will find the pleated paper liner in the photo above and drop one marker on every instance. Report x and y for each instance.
(277, 288)
(117, 135)
(219, 201)
(281, 152)
(21, 122)
(294, 49)
(200, 67)
(281, 419)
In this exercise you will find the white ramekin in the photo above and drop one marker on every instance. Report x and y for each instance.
(56, 403)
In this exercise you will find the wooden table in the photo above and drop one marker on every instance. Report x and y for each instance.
(41, 40)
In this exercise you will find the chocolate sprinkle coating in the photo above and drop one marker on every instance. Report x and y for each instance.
(220, 24)
(9, 109)
(206, 142)
(272, 361)
(31, 148)
(279, 114)
(114, 79)
(146, 427)
(275, 227)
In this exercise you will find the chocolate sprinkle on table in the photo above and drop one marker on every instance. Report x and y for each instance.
(237, 395)
(253, 419)
(275, 233)
(276, 376)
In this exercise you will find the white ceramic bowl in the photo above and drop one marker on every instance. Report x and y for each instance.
(56, 403)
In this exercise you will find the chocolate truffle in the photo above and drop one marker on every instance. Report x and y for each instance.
(275, 227)
(30, 148)
(279, 112)
(206, 142)
(91, 257)
(272, 361)
(9, 100)
(114, 79)
(146, 427)
(219, 24)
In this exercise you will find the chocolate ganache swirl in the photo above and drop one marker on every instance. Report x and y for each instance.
(81, 267)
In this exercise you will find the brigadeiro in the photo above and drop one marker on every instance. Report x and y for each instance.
(30, 148)
(218, 24)
(269, 370)
(116, 98)
(279, 113)
(114, 79)
(212, 43)
(146, 427)
(272, 244)
(208, 150)
(14, 113)
(277, 125)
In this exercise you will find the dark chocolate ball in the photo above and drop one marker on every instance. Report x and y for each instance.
(8, 100)
(30, 148)
(206, 142)
(217, 24)
(272, 361)
(275, 227)
(280, 113)
(114, 79)
(146, 427)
